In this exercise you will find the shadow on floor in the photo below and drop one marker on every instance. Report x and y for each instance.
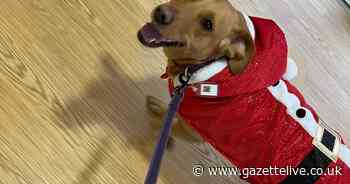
(117, 104)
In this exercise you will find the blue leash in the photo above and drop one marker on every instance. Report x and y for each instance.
(184, 78)
(154, 167)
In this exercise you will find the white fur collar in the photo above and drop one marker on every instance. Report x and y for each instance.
(250, 25)
(214, 68)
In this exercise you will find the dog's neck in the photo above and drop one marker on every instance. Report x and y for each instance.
(208, 71)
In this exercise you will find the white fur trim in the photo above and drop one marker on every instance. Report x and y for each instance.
(206, 72)
(292, 103)
(344, 154)
(292, 70)
(250, 25)
(209, 71)
(280, 92)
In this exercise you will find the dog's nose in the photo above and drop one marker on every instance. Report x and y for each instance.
(163, 15)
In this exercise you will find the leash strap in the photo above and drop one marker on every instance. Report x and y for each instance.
(184, 78)
(154, 167)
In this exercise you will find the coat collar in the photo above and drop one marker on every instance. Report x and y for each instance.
(266, 67)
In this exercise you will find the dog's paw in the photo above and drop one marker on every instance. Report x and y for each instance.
(155, 106)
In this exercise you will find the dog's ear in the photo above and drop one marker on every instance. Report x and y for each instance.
(239, 49)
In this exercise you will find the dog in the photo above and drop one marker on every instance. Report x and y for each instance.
(240, 100)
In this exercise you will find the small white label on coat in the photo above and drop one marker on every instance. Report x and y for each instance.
(209, 90)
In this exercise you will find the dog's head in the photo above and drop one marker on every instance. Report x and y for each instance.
(195, 31)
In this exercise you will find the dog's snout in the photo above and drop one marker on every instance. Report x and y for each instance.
(163, 15)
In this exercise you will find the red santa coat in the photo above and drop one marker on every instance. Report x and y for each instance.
(252, 118)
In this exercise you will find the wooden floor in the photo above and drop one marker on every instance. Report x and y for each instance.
(73, 81)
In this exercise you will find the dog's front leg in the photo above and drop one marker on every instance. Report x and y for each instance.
(180, 129)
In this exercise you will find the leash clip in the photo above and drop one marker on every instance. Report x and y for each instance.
(185, 77)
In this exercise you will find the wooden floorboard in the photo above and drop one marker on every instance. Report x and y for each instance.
(73, 81)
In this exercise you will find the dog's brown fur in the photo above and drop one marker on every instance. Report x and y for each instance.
(230, 37)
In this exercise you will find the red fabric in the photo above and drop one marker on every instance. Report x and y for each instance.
(245, 122)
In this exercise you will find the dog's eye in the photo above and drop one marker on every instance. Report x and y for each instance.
(207, 24)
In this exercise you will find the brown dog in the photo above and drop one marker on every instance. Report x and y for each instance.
(240, 99)
(192, 32)
(202, 32)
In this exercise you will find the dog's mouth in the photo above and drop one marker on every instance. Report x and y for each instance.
(150, 36)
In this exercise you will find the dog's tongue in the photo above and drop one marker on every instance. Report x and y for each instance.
(149, 36)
